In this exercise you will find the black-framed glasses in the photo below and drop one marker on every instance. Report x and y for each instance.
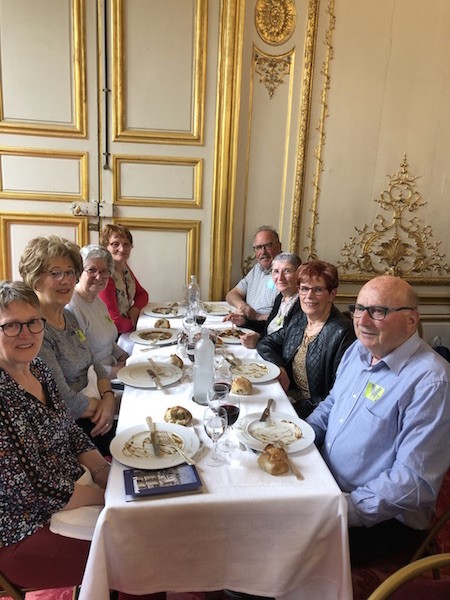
(260, 247)
(377, 313)
(317, 290)
(14, 328)
(94, 272)
(59, 274)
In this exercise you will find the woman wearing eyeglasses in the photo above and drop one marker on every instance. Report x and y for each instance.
(91, 312)
(308, 350)
(284, 275)
(51, 266)
(124, 296)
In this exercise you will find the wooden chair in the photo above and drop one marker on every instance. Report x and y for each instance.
(8, 589)
(411, 572)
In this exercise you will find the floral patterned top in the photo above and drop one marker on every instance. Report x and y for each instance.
(39, 445)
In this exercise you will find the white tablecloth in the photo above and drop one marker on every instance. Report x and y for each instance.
(248, 531)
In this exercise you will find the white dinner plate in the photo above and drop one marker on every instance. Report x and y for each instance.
(230, 338)
(256, 370)
(139, 451)
(278, 427)
(159, 309)
(154, 336)
(136, 374)
(217, 309)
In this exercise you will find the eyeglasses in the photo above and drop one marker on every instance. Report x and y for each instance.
(260, 247)
(377, 313)
(59, 274)
(105, 273)
(14, 328)
(283, 271)
(318, 290)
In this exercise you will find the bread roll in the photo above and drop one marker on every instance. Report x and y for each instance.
(176, 360)
(241, 386)
(178, 415)
(162, 324)
(273, 460)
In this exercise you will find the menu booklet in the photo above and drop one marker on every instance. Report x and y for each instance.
(140, 483)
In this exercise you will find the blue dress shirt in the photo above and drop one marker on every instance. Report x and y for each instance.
(385, 430)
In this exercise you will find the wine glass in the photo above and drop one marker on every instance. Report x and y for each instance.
(217, 394)
(232, 405)
(215, 424)
(200, 313)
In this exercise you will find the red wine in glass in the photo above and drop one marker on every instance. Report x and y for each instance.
(232, 412)
(200, 319)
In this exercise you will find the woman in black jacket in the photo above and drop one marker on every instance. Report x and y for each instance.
(309, 348)
(284, 275)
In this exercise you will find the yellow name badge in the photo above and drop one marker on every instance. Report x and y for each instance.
(373, 392)
(108, 318)
(80, 335)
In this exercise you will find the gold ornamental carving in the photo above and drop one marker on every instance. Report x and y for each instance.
(272, 69)
(275, 20)
(396, 244)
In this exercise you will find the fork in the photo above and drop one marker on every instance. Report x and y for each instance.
(293, 466)
(167, 440)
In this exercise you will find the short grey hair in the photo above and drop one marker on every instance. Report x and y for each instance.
(267, 228)
(93, 251)
(17, 291)
(289, 257)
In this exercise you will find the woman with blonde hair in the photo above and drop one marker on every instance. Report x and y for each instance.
(51, 266)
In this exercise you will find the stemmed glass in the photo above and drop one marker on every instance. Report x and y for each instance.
(215, 424)
(200, 313)
(217, 394)
(232, 405)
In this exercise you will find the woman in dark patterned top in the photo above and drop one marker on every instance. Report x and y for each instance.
(42, 454)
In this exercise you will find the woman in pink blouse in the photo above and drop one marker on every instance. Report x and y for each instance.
(124, 296)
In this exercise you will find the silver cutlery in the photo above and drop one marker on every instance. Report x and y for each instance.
(153, 435)
(266, 411)
(167, 440)
(155, 378)
(291, 463)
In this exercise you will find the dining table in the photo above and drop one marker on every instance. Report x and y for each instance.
(247, 530)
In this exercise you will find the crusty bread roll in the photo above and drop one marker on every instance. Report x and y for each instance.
(273, 460)
(176, 360)
(178, 415)
(162, 324)
(242, 386)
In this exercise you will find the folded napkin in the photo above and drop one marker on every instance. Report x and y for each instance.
(91, 390)
(78, 523)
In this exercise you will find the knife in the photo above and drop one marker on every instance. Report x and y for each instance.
(266, 411)
(153, 436)
(155, 378)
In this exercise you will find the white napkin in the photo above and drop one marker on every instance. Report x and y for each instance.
(91, 390)
(78, 523)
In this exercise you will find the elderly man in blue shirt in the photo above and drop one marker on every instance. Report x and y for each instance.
(385, 426)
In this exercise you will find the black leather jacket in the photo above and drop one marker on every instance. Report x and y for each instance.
(261, 326)
(322, 358)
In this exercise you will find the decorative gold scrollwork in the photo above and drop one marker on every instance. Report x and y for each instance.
(396, 246)
(271, 69)
(275, 20)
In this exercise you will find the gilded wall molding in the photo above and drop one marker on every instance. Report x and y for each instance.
(121, 130)
(78, 129)
(396, 244)
(304, 122)
(229, 63)
(9, 220)
(275, 20)
(83, 166)
(311, 249)
(271, 69)
(195, 164)
(190, 228)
